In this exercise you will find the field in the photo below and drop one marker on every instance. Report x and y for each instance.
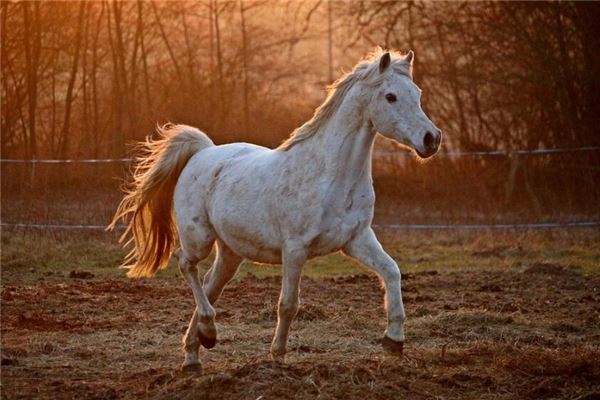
(514, 315)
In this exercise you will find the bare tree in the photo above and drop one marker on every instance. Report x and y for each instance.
(73, 76)
(244, 66)
(32, 40)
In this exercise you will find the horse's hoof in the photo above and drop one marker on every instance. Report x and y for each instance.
(193, 368)
(207, 342)
(392, 346)
(278, 358)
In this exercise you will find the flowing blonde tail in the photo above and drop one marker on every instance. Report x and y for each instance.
(147, 207)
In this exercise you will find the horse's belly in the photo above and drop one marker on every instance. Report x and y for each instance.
(253, 248)
(254, 251)
(253, 240)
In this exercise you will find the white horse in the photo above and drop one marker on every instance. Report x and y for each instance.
(311, 196)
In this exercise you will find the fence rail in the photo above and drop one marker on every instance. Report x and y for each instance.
(532, 225)
(497, 153)
(376, 153)
(68, 161)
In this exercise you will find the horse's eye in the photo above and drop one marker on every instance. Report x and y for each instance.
(390, 97)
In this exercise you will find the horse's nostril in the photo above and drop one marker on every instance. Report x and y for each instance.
(429, 141)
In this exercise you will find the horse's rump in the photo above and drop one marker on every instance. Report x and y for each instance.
(147, 205)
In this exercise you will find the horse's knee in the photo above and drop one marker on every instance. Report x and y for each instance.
(398, 318)
(288, 309)
(392, 273)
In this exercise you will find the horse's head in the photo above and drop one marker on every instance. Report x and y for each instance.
(395, 107)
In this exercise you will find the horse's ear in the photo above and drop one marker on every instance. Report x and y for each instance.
(384, 62)
(410, 57)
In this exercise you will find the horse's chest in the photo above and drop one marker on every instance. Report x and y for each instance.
(333, 238)
(340, 224)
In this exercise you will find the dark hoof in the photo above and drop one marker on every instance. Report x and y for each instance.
(195, 368)
(278, 358)
(206, 342)
(392, 346)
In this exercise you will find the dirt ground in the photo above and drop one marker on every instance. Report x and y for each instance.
(527, 332)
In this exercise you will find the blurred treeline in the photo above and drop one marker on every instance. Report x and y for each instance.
(81, 79)
(84, 79)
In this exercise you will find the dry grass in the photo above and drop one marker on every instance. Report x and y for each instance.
(488, 317)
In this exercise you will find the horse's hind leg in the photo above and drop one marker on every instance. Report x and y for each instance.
(223, 269)
(202, 329)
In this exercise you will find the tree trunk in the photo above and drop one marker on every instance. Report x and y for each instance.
(144, 56)
(32, 43)
(167, 43)
(95, 107)
(245, 69)
(85, 118)
(219, 57)
(65, 134)
(329, 43)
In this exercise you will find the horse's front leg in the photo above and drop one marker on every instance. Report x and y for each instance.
(366, 249)
(288, 300)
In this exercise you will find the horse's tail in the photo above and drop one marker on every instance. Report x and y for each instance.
(148, 202)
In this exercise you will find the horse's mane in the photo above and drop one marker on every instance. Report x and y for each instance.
(367, 70)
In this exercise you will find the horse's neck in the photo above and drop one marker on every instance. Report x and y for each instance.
(343, 145)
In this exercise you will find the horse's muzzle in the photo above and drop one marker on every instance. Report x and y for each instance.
(431, 144)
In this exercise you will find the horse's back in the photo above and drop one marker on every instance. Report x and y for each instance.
(225, 153)
(204, 170)
(219, 189)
